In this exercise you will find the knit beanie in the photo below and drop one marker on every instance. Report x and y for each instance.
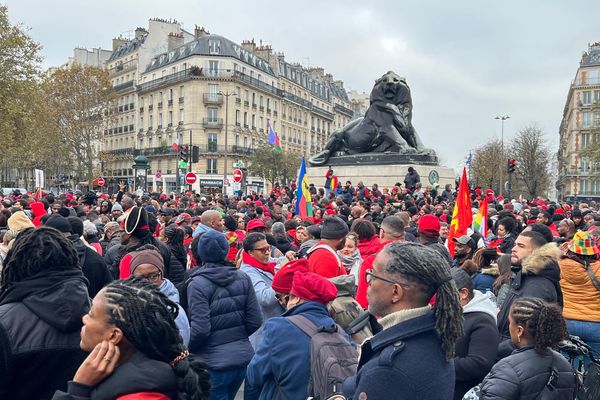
(59, 223)
(282, 281)
(313, 287)
(334, 228)
(76, 225)
(148, 256)
(213, 247)
(116, 207)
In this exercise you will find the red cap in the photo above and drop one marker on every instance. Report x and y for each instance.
(254, 224)
(282, 281)
(313, 287)
(559, 211)
(429, 224)
(489, 192)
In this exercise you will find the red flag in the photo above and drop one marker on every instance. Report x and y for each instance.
(462, 217)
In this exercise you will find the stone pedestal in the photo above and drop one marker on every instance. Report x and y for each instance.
(385, 175)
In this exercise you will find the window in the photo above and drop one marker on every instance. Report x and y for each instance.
(170, 94)
(211, 165)
(237, 140)
(587, 119)
(237, 117)
(260, 123)
(181, 116)
(245, 118)
(253, 143)
(160, 97)
(246, 98)
(596, 96)
(160, 120)
(253, 121)
(212, 114)
(214, 46)
(181, 91)
(585, 165)
(213, 89)
(213, 68)
(261, 101)
(583, 186)
(585, 140)
(586, 98)
(212, 142)
(151, 100)
(142, 101)
(253, 99)
(170, 118)
(150, 121)
(245, 141)
(141, 122)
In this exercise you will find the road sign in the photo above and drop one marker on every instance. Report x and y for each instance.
(158, 174)
(101, 181)
(190, 178)
(238, 164)
(237, 186)
(130, 181)
(226, 182)
(237, 175)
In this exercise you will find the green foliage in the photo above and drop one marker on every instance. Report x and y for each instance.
(273, 166)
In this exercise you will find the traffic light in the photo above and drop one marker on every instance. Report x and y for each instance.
(184, 157)
(512, 165)
(195, 154)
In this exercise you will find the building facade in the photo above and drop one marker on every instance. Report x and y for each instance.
(578, 178)
(206, 91)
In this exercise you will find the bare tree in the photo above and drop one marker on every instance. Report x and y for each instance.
(530, 149)
(486, 164)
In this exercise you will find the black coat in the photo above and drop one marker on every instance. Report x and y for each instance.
(93, 266)
(475, 350)
(178, 264)
(524, 374)
(138, 374)
(40, 323)
(284, 245)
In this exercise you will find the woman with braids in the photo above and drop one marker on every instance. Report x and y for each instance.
(412, 357)
(533, 370)
(172, 236)
(43, 296)
(136, 351)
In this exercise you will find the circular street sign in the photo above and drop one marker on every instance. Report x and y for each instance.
(190, 178)
(237, 175)
(101, 181)
(158, 174)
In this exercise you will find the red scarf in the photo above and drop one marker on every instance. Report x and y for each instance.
(268, 267)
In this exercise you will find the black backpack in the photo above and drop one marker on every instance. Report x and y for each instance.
(332, 358)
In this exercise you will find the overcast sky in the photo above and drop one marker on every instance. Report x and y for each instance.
(465, 61)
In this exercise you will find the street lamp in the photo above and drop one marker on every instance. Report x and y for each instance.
(140, 170)
(502, 118)
(226, 94)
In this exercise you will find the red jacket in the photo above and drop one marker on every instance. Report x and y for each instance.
(325, 262)
(369, 246)
(38, 210)
(367, 265)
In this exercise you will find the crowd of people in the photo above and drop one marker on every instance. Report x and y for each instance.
(118, 296)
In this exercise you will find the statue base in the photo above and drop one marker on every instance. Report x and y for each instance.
(383, 159)
(386, 175)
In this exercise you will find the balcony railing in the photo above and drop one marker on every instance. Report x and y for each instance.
(123, 86)
(214, 123)
(156, 151)
(346, 111)
(212, 98)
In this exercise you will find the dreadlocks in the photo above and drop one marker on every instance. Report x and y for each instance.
(147, 318)
(542, 321)
(37, 250)
(425, 267)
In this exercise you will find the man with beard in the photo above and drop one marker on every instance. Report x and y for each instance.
(464, 250)
(323, 258)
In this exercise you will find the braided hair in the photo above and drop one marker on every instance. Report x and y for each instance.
(37, 250)
(542, 321)
(147, 319)
(425, 267)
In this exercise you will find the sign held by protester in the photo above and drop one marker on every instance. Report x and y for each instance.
(39, 178)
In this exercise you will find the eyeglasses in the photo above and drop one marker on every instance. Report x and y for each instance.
(281, 297)
(370, 276)
(153, 277)
(265, 249)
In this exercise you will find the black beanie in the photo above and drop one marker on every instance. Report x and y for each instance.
(334, 228)
(576, 213)
(64, 211)
(76, 225)
(59, 223)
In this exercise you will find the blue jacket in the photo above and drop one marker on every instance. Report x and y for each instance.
(182, 322)
(280, 369)
(405, 360)
(223, 313)
(262, 280)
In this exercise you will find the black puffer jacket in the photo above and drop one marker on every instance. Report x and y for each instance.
(524, 375)
(40, 322)
(138, 374)
(538, 277)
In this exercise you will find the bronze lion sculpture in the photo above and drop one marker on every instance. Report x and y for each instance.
(385, 128)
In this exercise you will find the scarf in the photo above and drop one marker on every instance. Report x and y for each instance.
(350, 260)
(253, 262)
(403, 315)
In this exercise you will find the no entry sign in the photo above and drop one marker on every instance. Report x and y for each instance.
(237, 175)
(101, 181)
(190, 178)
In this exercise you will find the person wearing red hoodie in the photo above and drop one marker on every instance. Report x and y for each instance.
(392, 230)
(368, 241)
(322, 257)
(38, 209)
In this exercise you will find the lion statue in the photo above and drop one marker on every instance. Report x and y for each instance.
(385, 128)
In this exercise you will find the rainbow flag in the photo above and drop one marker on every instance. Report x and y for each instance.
(303, 198)
(480, 222)
(334, 182)
(462, 216)
(273, 137)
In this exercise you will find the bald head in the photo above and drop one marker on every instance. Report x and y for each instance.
(213, 219)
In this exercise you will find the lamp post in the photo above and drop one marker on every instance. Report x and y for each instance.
(226, 94)
(502, 118)
(140, 169)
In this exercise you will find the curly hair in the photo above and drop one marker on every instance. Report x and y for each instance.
(542, 321)
(425, 267)
(147, 319)
(37, 250)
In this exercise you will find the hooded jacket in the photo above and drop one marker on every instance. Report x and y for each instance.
(581, 297)
(539, 276)
(476, 349)
(182, 322)
(484, 279)
(19, 221)
(38, 210)
(40, 323)
(223, 313)
(369, 246)
(93, 266)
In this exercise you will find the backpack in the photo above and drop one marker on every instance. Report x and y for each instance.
(332, 358)
(589, 383)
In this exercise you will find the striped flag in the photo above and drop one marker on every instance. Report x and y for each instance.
(273, 137)
(334, 182)
(303, 198)
(480, 222)
(462, 217)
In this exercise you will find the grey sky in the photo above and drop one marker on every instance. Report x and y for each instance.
(465, 61)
